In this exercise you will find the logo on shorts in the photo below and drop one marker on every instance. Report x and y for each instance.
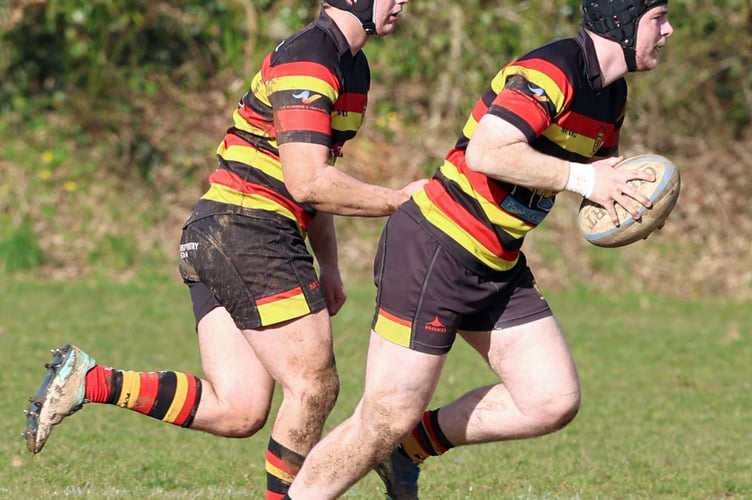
(435, 326)
(187, 247)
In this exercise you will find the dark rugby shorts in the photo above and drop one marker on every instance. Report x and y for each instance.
(256, 266)
(425, 295)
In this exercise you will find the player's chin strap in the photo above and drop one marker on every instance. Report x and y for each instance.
(363, 10)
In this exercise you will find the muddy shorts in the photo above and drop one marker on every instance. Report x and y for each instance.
(425, 295)
(257, 267)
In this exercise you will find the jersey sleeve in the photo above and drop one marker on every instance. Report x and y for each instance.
(302, 96)
(530, 94)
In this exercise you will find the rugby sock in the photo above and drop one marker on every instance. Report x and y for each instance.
(282, 465)
(426, 439)
(169, 396)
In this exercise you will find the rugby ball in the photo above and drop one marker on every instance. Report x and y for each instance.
(595, 223)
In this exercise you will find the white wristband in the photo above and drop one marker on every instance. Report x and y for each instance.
(581, 179)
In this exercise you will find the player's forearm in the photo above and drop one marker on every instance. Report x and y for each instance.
(323, 239)
(336, 192)
(521, 165)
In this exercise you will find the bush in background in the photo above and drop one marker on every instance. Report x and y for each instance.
(110, 111)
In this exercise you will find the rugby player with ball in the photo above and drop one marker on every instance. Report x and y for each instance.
(450, 264)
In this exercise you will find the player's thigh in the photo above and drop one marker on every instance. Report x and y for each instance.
(230, 363)
(298, 352)
(399, 383)
(532, 359)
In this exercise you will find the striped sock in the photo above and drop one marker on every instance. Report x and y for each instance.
(282, 465)
(169, 396)
(426, 439)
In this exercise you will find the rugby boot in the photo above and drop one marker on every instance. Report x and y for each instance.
(61, 394)
(400, 476)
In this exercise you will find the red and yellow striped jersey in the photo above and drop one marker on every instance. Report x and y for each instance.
(554, 96)
(310, 89)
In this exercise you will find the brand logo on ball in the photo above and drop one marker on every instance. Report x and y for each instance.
(638, 183)
(594, 216)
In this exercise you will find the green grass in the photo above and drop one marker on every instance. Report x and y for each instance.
(666, 402)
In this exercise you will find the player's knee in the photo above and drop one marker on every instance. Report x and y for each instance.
(566, 410)
(241, 422)
(323, 391)
(247, 427)
(557, 412)
(384, 433)
(390, 419)
(313, 392)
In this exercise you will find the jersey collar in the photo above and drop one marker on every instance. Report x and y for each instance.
(327, 24)
(592, 68)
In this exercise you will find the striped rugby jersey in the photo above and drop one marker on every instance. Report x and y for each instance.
(310, 89)
(554, 96)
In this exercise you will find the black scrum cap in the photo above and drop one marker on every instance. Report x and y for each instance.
(617, 20)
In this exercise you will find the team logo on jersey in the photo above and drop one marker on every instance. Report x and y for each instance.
(599, 139)
(538, 93)
(306, 97)
(335, 151)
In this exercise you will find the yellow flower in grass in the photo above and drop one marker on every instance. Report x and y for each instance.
(45, 174)
(70, 186)
(47, 157)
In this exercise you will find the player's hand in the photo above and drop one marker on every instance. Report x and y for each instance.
(612, 188)
(334, 290)
(413, 187)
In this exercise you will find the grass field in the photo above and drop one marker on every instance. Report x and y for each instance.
(666, 412)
